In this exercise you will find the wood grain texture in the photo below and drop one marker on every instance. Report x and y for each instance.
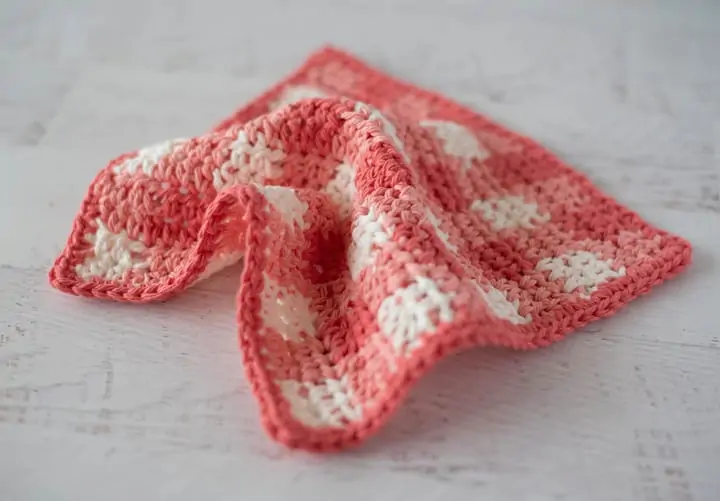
(117, 401)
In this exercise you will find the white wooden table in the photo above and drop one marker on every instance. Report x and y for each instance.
(117, 402)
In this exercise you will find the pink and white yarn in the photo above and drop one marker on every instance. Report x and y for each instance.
(381, 226)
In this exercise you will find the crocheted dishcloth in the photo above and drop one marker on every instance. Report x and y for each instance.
(382, 227)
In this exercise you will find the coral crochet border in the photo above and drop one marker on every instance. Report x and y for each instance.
(277, 416)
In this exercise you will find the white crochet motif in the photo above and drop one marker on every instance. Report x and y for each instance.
(147, 158)
(318, 405)
(407, 314)
(287, 204)
(341, 189)
(113, 254)
(248, 162)
(368, 232)
(285, 311)
(457, 141)
(435, 222)
(581, 270)
(510, 212)
(501, 307)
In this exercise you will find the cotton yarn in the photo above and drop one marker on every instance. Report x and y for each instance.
(381, 226)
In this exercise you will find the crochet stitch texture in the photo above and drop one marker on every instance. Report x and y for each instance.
(382, 227)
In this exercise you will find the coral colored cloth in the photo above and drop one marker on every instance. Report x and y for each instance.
(382, 227)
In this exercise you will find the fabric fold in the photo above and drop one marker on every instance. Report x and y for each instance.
(381, 227)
